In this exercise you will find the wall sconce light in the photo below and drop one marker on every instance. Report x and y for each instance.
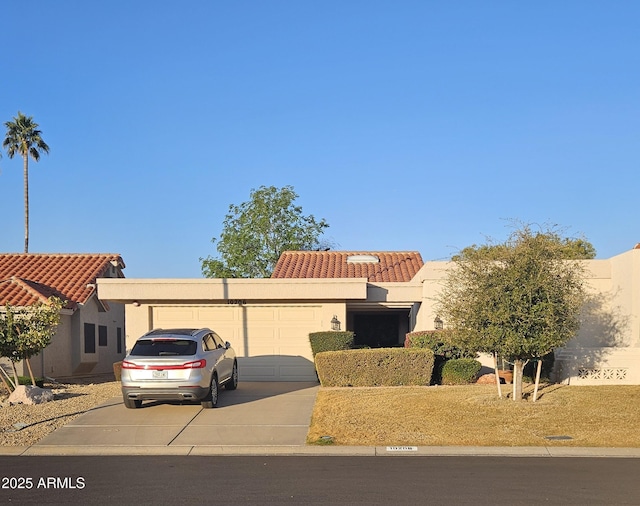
(438, 324)
(135, 303)
(335, 323)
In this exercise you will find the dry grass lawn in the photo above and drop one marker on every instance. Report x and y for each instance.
(473, 415)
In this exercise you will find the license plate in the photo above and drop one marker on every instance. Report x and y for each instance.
(159, 374)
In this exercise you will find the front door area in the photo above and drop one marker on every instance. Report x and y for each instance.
(379, 329)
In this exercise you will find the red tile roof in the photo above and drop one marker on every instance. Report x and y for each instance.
(391, 266)
(26, 278)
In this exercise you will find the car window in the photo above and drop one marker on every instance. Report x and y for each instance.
(208, 343)
(164, 347)
(219, 341)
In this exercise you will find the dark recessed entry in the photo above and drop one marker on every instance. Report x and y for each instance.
(379, 329)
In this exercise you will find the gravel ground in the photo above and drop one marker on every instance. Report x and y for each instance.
(25, 425)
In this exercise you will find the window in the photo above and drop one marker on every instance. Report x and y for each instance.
(118, 340)
(164, 347)
(219, 341)
(89, 338)
(208, 343)
(102, 335)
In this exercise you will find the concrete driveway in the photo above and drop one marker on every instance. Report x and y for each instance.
(257, 414)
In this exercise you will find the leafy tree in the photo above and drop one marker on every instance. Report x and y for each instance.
(256, 232)
(519, 300)
(24, 138)
(572, 248)
(25, 331)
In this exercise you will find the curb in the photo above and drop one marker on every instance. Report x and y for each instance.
(325, 451)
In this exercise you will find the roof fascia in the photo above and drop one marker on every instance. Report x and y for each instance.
(127, 290)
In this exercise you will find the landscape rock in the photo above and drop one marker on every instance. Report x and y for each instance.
(487, 379)
(28, 394)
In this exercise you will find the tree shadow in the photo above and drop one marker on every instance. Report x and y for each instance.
(604, 327)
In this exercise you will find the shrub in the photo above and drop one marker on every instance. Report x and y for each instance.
(547, 367)
(330, 341)
(437, 341)
(26, 380)
(375, 367)
(460, 371)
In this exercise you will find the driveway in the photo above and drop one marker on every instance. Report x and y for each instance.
(257, 414)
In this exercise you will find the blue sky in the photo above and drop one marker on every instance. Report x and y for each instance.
(407, 125)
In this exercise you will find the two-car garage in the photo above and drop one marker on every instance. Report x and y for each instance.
(271, 340)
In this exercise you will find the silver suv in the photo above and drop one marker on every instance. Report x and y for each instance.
(178, 364)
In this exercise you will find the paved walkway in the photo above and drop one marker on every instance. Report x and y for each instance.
(258, 418)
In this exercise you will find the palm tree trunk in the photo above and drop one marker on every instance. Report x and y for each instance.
(26, 203)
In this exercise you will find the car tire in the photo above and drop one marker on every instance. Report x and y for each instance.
(211, 400)
(131, 403)
(232, 384)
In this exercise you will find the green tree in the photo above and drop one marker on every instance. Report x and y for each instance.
(256, 232)
(25, 331)
(519, 300)
(572, 248)
(24, 138)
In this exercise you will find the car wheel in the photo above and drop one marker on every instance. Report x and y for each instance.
(211, 400)
(232, 384)
(131, 403)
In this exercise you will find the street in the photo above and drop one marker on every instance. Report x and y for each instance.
(318, 480)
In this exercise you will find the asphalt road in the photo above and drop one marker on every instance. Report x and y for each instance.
(476, 481)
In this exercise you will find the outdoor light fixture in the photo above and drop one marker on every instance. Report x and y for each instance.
(438, 324)
(335, 323)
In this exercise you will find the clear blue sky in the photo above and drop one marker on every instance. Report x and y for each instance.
(407, 125)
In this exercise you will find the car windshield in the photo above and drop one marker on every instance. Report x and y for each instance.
(164, 347)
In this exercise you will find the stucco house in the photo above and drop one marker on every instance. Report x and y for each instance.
(90, 336)
(380, 296)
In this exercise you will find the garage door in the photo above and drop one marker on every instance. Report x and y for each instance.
(271, 341)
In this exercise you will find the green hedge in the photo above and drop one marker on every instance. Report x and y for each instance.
(331, 340)
(26, 380)
(375, 367)
(436, 340)
(460, 371)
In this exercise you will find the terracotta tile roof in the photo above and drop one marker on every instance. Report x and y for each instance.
(373, 265)
(26, 278)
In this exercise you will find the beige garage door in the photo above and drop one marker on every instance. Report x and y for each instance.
(271, 341)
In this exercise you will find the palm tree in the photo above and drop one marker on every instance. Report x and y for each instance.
(24, 138)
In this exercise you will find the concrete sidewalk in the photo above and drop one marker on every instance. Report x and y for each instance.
(259, 418)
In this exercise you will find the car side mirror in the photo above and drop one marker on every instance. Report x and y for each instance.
(227, 345)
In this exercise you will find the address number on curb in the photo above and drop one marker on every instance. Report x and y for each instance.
(402, 448)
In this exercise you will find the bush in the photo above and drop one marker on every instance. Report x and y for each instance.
(460, 371)
(547, 367)
(438, 342)
(331, 341)
(375, 367)
(26, 380)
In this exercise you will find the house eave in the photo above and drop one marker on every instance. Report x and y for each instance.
(129, 290)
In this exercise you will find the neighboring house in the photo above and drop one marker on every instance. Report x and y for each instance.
(90, 337)
(380, 296)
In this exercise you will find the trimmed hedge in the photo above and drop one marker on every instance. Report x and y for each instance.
(26, 380)
(331, 340)
(460, 371)
(436, 340)
(375, 367)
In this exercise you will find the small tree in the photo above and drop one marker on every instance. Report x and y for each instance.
(25, 331)
(519, 300)
(256, 232)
